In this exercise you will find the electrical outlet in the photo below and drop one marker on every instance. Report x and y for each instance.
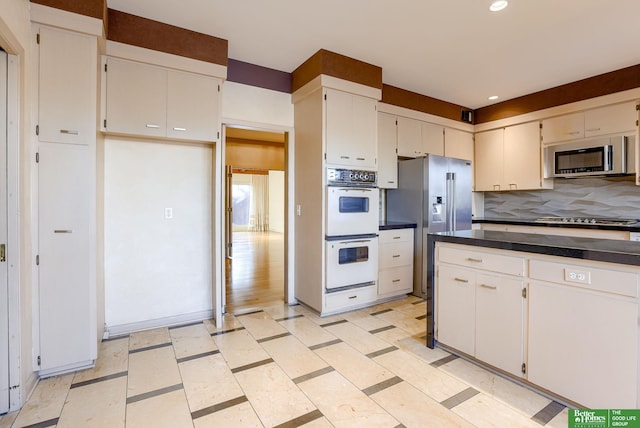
(168, 213)
(579, 276)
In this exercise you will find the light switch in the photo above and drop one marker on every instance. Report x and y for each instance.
(168, 213)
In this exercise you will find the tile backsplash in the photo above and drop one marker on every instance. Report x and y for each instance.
(585, 197)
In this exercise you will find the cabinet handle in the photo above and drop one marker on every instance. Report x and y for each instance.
(361, 159)
(395, 256)
(464, 281)
(344, 157)
(151, 125)
(62, 231)
(489, 287)
(396, 280)
(396, 237)
(390, 182)
(353, 297)
(592, 129)
(496, 187)
(471, 259)
(513, 186)
(68, 131)
(573, 132)
(180, 129)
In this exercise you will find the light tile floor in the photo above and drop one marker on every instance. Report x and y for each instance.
(284, 366)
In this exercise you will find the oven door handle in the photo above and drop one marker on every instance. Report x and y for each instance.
(355, 242)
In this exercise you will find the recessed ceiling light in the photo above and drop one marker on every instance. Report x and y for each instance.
(493, 97)
(498, 5)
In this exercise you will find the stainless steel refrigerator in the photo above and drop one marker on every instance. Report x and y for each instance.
(435, 193)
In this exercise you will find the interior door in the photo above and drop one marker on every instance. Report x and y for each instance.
(228, 212)
(4, 291)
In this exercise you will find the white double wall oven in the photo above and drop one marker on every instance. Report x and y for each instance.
(351, 226)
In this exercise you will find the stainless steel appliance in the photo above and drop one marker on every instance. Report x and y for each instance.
(351, 229)
(352, 202)
(603, 156)
(435, 193)
(351, 262)
(588, 220)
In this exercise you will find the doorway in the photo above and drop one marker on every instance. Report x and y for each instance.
(4, 274)
(255, 233)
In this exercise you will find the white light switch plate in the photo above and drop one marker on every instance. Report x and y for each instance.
(168, 213)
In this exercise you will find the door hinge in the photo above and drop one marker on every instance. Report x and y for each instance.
(37, 157)
(37, 259)
(325, 97)
(105, 123)
(37, 129)
(637, 106)
(636, 123)
(39, 360)
(540, 125)
(524, 293)
(105, 67)
(218, 88)
(325, 156)
(38, 38)
(3, 253)
(524, 368)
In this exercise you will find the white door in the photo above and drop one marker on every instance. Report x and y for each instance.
(65, 298)
(4, 292)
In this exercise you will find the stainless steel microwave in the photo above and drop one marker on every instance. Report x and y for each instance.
(602, 156)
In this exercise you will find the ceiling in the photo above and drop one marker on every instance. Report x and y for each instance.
(453, 50)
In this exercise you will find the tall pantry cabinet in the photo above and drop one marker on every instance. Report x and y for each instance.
(65, 71)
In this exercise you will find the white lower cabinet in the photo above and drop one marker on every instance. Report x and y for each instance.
(575, 334)
(395, 263)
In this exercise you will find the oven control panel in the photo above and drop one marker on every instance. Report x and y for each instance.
(351, 177)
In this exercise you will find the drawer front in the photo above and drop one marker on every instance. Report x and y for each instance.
(395, 235)
(396, 254)
(345, 299)
(396, 280)
(480, 260)
(592, 278)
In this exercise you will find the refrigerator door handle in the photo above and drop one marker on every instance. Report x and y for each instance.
(450, 202)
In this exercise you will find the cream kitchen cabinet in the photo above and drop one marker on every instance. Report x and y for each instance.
(509, 159)
(395, 276)
(67, 80)
(387, 151)
(417, 138)
(154, 101)
(351, 129)
(459, 144)
(480, 305)
(611, 119)
(583, 332)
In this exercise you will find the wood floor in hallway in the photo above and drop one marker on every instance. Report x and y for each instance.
(255, 274)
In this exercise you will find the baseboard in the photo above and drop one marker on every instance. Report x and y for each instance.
(122, 329)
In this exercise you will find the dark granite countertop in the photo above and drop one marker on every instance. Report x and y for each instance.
(533, 222)
(604, 250)
(390, 225)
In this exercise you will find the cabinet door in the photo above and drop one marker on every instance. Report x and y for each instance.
(459, 144)
(500, 322)
(136, 98)
(66, 302)
(562, 128)
(192, 106)
(433, 139)
(612, 119)
(67, 90)
(351, 128)
(583, 345)
(456, 308)
(387, 152)
(489, 159)
(409, 138)
(522, 156)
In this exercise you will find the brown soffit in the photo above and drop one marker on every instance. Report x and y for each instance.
(93, 8)
(261, 77)
(339, 66)
(603, 84)
(414, 101)
(145, 33)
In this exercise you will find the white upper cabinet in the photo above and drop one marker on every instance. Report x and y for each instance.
(154, 101)
(67, 79)
(387, 151)
(433, 139)
(192, 109)
(509, 158)
(351, 129)
(611, 119)
(136, 98)
(459, 144)
(409, 138)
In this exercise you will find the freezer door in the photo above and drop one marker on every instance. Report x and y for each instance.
(436, 198)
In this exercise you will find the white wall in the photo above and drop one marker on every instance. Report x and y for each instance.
(251, 104)
(276, 201)
(157, 268)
